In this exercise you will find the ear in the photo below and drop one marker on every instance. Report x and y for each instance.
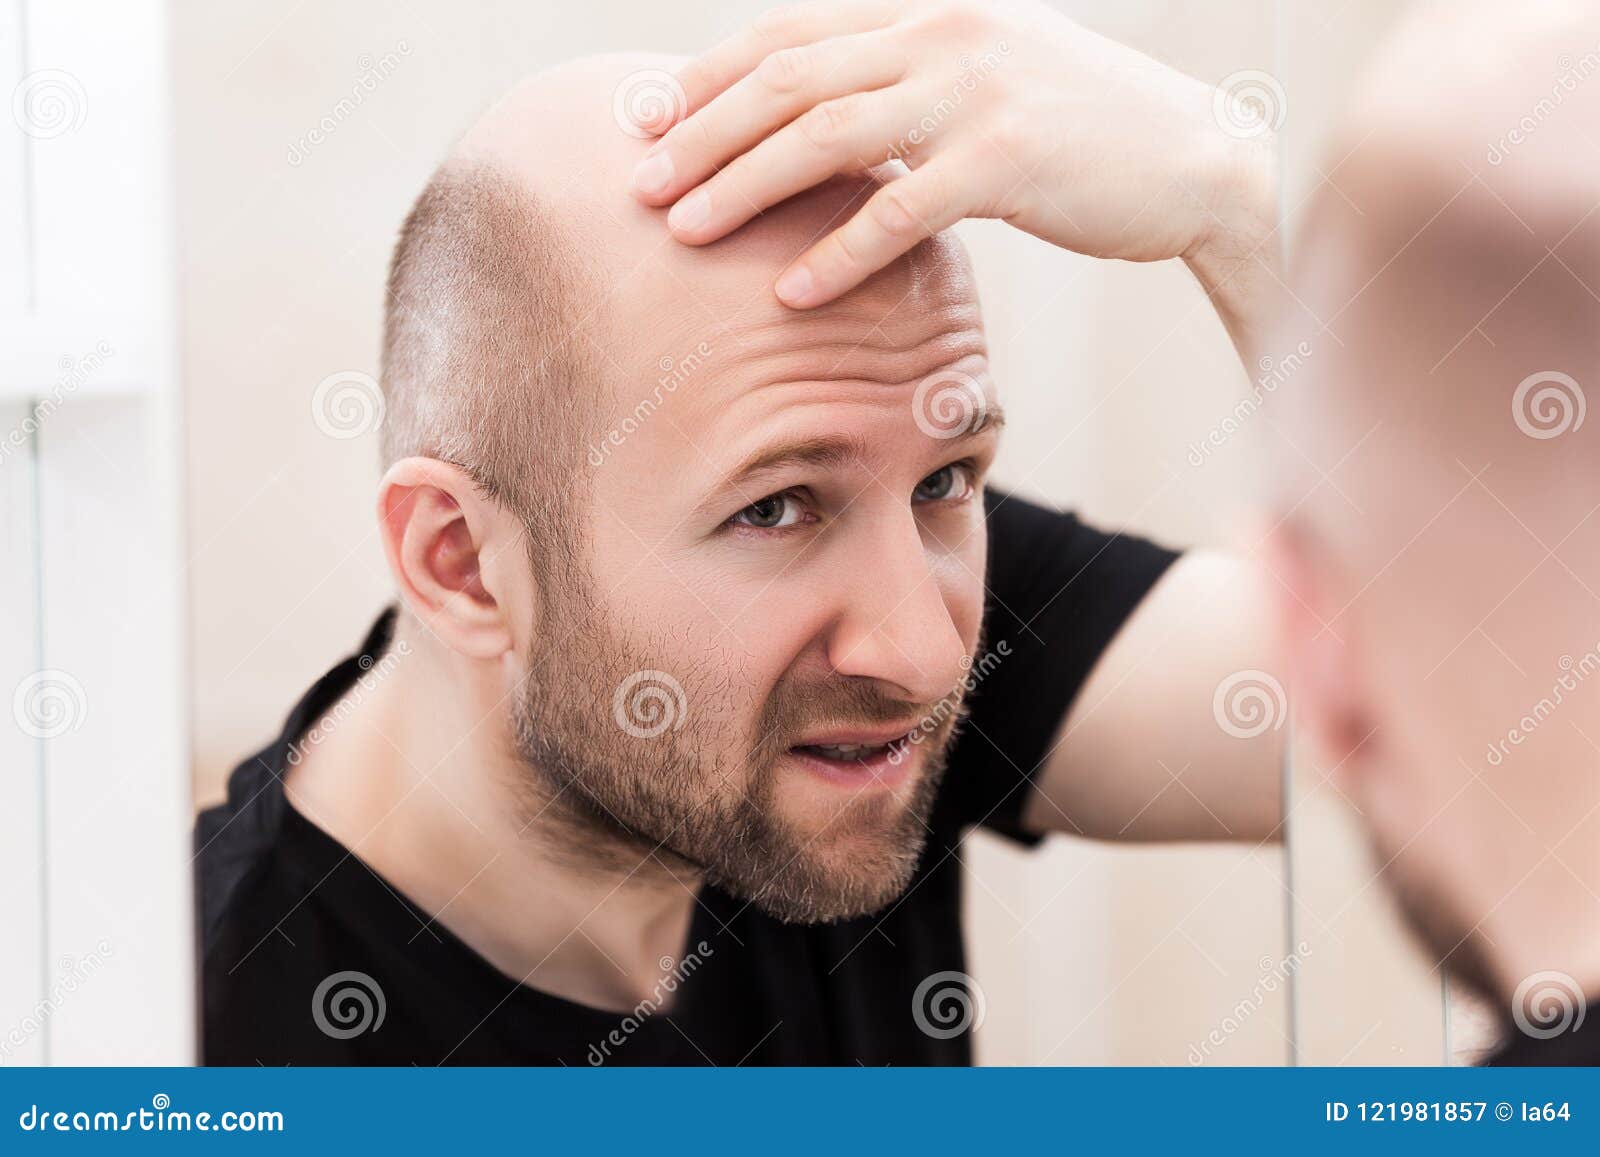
(1328, 692)
(454, 554)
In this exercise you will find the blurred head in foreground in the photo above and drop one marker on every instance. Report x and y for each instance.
(698, 563)
(1439, 489)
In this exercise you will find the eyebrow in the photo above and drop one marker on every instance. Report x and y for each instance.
(827, 451)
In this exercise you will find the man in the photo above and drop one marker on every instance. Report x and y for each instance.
(1439, 583)
(654, 764)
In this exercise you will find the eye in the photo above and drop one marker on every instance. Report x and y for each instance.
(949, 483)
(774, 512)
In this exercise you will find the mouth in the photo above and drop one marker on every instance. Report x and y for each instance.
(859, 758)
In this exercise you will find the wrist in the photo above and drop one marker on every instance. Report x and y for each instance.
(1238, 191)
(1236, 254)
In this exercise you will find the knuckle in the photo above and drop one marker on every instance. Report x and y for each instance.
(845, 255)
(1009, 136)
(786, 70)
(691, 137)
(830, 122)
(895, 211)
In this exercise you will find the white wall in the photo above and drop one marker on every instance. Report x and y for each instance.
(94, 797)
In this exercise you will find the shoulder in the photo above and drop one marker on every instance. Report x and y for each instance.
(1045, 553)
(232, 839)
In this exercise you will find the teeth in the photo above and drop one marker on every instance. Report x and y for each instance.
(848, 750)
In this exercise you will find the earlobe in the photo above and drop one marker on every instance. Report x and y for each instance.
(437, 531)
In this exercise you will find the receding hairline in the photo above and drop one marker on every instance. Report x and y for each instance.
(482, 364)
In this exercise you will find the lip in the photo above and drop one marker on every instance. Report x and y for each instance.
(884, 734)
(884, 769)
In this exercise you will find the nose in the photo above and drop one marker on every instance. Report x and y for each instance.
(895, 624)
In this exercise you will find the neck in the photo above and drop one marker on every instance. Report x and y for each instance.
(420, 779)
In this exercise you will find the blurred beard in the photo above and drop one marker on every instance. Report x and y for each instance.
(1452, 942)
(667, 803)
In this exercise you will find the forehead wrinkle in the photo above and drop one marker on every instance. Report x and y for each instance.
(736, 274)
(832, 349)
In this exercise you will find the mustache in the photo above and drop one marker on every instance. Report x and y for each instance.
(793, 710)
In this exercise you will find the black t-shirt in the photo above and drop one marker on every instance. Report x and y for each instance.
(310, 957)
(1577, 1043)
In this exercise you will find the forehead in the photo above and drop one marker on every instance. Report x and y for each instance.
(703, 327)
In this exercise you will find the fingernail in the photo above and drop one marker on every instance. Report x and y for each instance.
(795, 284)
(653, 174)
(691, 212)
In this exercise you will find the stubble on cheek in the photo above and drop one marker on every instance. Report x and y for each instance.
(693, 781)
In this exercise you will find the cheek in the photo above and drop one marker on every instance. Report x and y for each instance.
(728, 643)
(731, 633)
(959, 573)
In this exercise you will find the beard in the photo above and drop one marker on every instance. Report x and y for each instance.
(633, 762)
(1454, 943)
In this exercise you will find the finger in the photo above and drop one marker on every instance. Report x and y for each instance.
(894, 220)
(717, 70)
(782, 87)
(849, 133)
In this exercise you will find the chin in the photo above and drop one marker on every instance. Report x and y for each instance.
(830, 900)
(858, 875)
(833, 844)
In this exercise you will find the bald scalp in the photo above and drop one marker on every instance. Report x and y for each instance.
(482, 363)
(485, 363)
(1453, 248)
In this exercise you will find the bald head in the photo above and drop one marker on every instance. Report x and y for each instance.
(531, 295)
(1439, 479)
(1454, 249)
(486, 362)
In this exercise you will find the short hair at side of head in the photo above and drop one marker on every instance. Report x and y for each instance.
(482, 365)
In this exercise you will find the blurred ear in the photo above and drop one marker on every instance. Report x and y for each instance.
(454, 555)
(1326, 687)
